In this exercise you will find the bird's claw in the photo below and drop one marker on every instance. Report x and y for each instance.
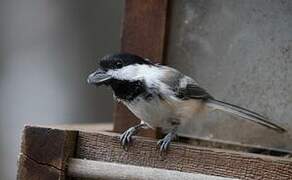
(126, 137)
(164, 143)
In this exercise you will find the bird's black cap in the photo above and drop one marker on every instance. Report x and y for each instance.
(120, 60)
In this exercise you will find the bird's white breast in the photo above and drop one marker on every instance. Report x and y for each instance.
(153, 112)
(159, 113)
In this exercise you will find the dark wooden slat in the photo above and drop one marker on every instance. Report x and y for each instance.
(143, 34)
(44, 153)
(144, 28)
(30, 169)
(106, 147)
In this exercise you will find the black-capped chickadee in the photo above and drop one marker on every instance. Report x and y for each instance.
(160, 96)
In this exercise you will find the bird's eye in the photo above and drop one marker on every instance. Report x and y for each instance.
(119, 64)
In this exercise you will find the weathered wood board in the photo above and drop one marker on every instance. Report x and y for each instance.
(44, 153)
(105, 146)
(104, 170)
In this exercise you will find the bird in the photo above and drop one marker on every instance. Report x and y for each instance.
(161, 96)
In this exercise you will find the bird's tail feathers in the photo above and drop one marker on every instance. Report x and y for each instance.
(244, 113)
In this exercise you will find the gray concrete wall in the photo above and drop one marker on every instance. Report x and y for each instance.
(47, 49)
(241, 52)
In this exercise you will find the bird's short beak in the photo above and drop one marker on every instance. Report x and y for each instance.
(99, 77)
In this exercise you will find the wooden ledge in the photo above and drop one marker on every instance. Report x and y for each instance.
(45, 154)
(105, 146)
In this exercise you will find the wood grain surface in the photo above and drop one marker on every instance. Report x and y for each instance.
(181, 157)
(44, 153)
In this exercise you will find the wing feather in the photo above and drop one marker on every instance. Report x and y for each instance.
(192, 91)
(183, 86)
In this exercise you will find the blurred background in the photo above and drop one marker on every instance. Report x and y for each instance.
(47, 49)
(240, 50)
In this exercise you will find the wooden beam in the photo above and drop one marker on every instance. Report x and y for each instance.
(104, 170)
(44, 153)
(143, 34)
(104, 146)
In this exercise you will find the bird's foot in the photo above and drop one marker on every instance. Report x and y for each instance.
(165, 142)
(126, 137)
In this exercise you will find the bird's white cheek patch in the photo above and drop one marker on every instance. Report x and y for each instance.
(136, 72)
(125, 73)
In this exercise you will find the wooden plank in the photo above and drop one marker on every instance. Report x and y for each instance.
(104, 146)
(88, 127)
(105, 170)
(143, 34)
(45, 152)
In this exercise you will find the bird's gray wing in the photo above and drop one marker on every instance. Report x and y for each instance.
(183, 86)
(192, 91)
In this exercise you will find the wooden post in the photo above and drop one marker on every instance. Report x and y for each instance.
(143, 34)
(44, 153)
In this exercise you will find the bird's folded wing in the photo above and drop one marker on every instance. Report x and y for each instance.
(192, 91)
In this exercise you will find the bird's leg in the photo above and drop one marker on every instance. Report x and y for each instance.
(165, 142)
(126, 137)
